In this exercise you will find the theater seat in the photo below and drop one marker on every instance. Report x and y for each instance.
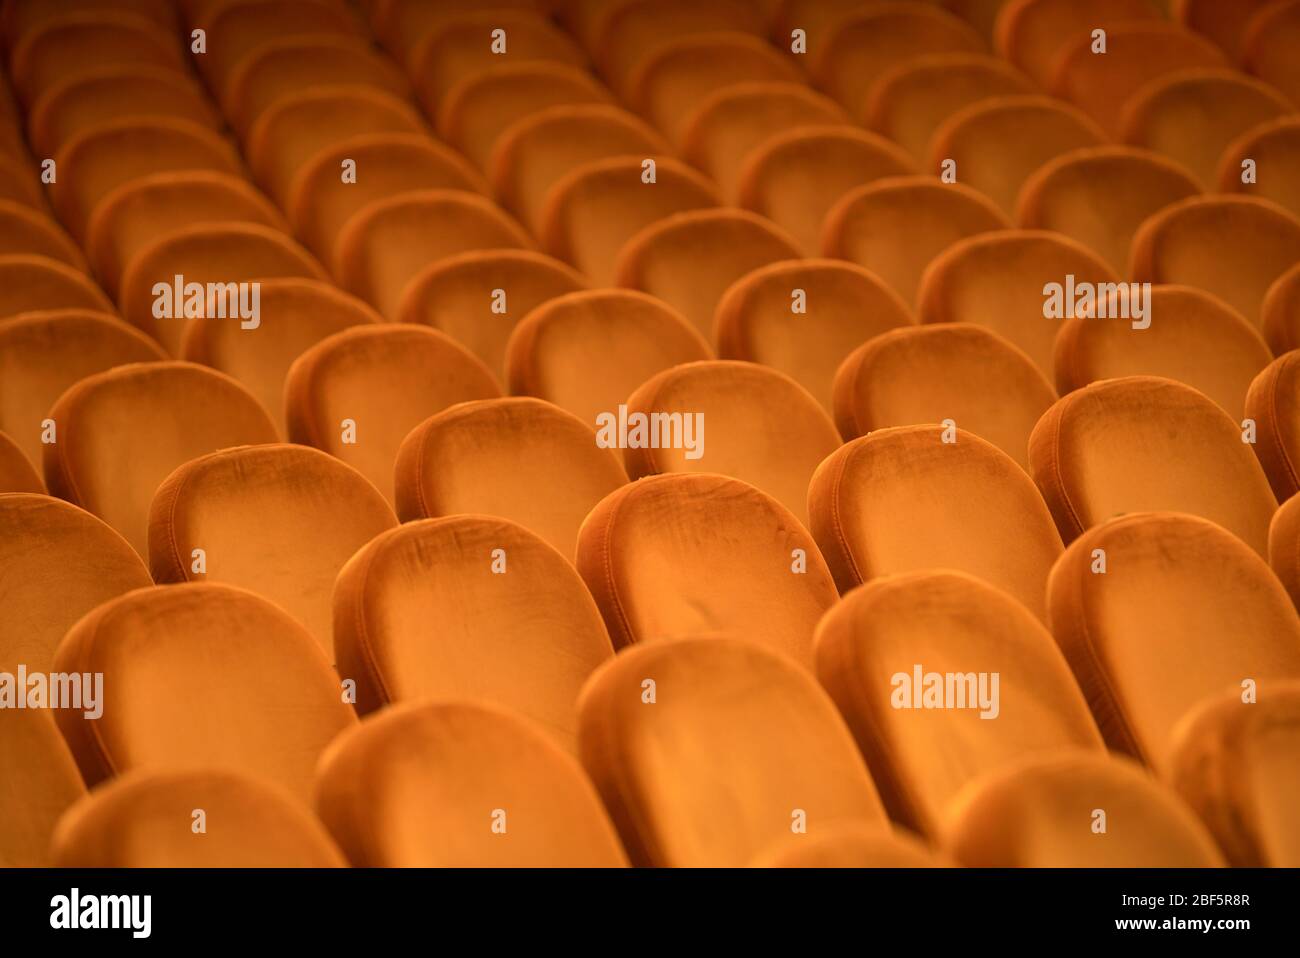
(689, 259)
(1232, 246)
(1075, 810)
(19, 180)
(147, 819)
(21, 17)
(296, 314)
(999, 281)
(722, 130)
(1268, 47)
(29, 283)
(400, 25)
(16, 472)
(597, 207)
(1284, 546)
(24, 231)
(1193, 338)
(359, 392)
(463, 785)
(739, 748)
(588, 351)
(221, 680)
(1100, 196)
(1226, 25)
(998, 143)
(981, 513)
(1033, 34)
(873, 650)
(1274, 148)
(128, 219)
(386, 164)
(1183, 610)
(513, 623)
(1274, 404)
(208, 253)
(278, 520)
(926, 374)
(122, 432)
(795, 177)
(679, 555)
(850, 845)
(387, 243)
(1280, 312)
(41, 780)
(894, 227)
(519, 459)
(1235, 763)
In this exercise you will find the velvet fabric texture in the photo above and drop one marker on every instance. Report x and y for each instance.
(850, 845)
(41, 780)
(1284, 547)
(24, 231)
(1276, 144)
(31, 283)
(1274, 404)
(16, 471)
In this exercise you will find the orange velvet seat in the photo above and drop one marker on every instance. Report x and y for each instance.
(24, 231)
(872, 651)
(386, 165)
(689, 259)
(519, 459)
(926, 374)
(1224, 24)
(1274, 148)
(400, 25)
(1100, 195)
(21, 17)
(999, 280)
(896, 226)
(1274, 404)
(1284, 546)
(296, 314)
(515, 625)
(461, 784)
(588, 351)
(278, 520)
(208, 253)
(183, 650)
(740, 748)
(850, 845)
(998, 143)
(145, 819)
(123, 431)
(597, 207)
(1183, 610)
(17, 474)
(1043, 813)
(459, 295)
(1232, 246)
(795, 177)
(1238, 765)
(29, 283)
(41, 780)
(20, 181)
(679, 555)
(1280, 312)
(1269, 44)
(44, 353)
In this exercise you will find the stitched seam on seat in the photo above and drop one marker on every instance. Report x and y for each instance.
(363, 640)
(171, 526)
(607, 562)
(836, 527)
(1276, 431)
(1057, 429)
(97, 741)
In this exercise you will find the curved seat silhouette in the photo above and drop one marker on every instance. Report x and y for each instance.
(588, 351)
(722, 130)
(296, 315)
(23, 16)
(519, 459)
(20, 181)
(689, 259)
(17, 474)
(998, 143)
(539, 149)
(1226, 25)
(726, 711)
(208, 253)
(358, 393)
(998, 281)
(248, 823)
(874, 646)
(1193, 338)
(910, 101)
(1284, 546)
(896, 226)
(1231, 246)
(1143, 443)
(123, 431)
(1272, 146)
(926, 374)
(1235, 764)
(1269, 44)
(386, 244)
(516, 626)
(1224, 619)
(183, 649)
(458, 295)
(44, 353)
(850, 845)
(751, 423)
(1100, 195)
(400, 25)
(24, 231)
(461, 784)
(1280, 312)
(1273, 402)
(843, 305)
(594, 210)
(1028, 815)
(128, 218)
(679, 555)
(387, 164)
(41, 781)
(29, 283)
(278, 520)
